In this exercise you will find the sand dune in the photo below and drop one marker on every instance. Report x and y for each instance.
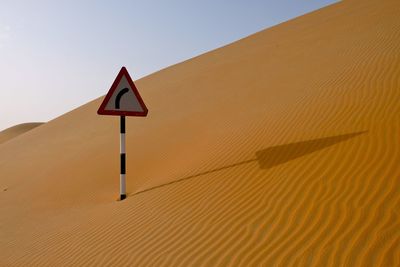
(281, 149)
(16, 130)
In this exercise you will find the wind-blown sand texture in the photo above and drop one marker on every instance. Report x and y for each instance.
(280, 149)
(17, 130)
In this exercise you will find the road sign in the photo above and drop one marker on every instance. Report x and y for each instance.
(123, 99)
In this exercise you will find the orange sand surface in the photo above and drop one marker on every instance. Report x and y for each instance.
(16, 130)
(281, 149)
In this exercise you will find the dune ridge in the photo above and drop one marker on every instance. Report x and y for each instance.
(16, 130)
(281, 149)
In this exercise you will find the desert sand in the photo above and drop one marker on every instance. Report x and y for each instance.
(281, 149)
(17, 130)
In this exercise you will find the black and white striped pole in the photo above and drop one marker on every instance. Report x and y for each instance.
(122, 178)
(123, 99)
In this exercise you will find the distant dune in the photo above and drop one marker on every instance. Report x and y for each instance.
(281, 149)
(16, 130)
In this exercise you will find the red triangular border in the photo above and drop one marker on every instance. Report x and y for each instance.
(102, 111)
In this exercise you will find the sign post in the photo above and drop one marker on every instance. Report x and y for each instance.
(122, 178)
(123, 99)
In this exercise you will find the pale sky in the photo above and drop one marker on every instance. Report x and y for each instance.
(58, 55)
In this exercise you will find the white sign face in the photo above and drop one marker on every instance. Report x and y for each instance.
(123, 98)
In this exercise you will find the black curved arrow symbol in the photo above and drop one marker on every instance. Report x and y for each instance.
(118, 98)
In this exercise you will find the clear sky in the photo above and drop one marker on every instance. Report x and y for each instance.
(58, 55)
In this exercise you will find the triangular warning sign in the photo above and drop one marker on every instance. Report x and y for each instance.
(123, 98)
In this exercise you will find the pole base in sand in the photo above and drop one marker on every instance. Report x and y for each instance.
(122, 197)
